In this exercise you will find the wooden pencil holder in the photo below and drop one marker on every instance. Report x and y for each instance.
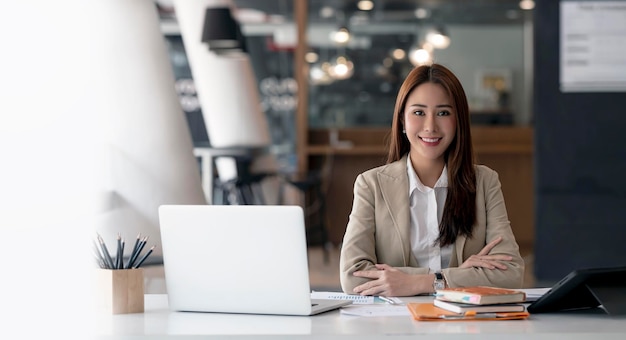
(121, 290)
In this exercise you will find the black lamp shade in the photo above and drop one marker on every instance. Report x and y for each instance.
(221, 32)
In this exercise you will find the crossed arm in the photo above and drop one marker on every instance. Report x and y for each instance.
(390, 281)
(374, 252)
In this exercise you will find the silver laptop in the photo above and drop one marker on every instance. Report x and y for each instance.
(238, 259)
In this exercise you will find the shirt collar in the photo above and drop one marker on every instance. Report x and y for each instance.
(416, 183)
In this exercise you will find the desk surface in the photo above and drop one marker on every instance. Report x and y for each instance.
(159, 321)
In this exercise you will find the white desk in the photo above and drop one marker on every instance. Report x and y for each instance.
(158, 322)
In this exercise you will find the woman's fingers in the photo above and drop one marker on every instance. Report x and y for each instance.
(491, 264)
(487, 248)
(375, 286)
(484, 260)
(383, 266)
(487, 261)
(368, 288)
(370, 274)
(495, 257)
(366, 291)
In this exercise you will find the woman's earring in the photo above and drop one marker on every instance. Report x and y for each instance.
(404, 131)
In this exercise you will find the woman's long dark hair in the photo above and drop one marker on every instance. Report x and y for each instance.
(459, 212)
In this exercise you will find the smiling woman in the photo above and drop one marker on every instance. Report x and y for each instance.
(430, 217)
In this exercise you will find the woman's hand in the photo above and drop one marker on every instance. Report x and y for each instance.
(388, 281)
(483, 259)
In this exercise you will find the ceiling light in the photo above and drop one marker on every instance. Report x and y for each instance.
(438, 38)
(398, 54)
(342, 36)
(327, 12)
(222, 32)
(527, 4)
(422, 13)
(318, 74)
(311, 57)
(365, 5)
(342, 68)
(420, 57)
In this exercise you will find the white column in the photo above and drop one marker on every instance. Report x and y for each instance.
(227, 91)
(148, 147)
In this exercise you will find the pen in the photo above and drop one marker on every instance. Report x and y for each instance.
(388, 300)
(144, 257)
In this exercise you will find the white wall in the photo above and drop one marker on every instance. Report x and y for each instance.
(87, 106)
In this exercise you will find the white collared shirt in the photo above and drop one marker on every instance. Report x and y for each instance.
(426, 206)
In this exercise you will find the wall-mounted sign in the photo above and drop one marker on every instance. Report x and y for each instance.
(593, 46)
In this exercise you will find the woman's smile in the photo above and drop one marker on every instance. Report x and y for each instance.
(431, 141)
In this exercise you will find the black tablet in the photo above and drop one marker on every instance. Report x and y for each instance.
(586, 288)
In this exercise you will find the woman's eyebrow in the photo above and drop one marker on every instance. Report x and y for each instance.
(437, 106)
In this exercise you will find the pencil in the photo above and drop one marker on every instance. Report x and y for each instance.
(139, 249)
(132, 253)
(118, 257)
(98, 254)
(121, 264)
(144, 257)
(105, 251)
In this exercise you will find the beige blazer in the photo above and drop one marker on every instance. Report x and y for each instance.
(378, 231)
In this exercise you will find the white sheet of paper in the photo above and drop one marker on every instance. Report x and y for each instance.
(375, 310)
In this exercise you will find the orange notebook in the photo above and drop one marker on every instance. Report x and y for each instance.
(428, 312)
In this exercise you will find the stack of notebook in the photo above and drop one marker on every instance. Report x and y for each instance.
(470, 303)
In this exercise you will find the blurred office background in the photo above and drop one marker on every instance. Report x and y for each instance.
(551, 127)
(347, 90)
(514, 61)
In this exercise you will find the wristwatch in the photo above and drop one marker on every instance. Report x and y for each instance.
(440, 282)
